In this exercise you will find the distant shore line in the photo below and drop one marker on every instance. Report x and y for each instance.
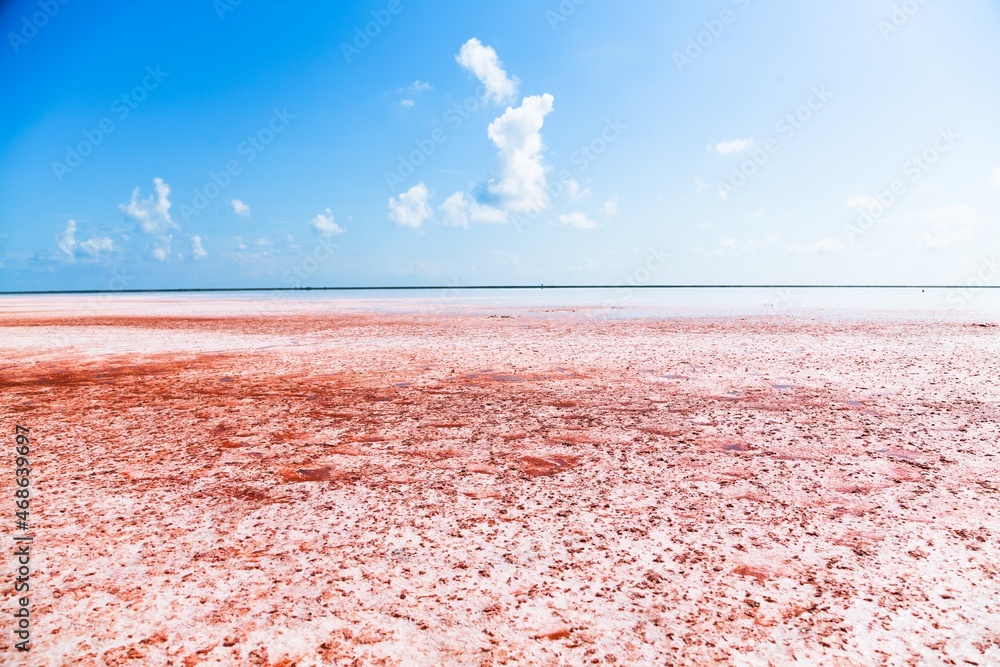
(428, 288)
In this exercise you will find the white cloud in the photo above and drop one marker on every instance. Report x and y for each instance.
(240, 209)
(862, 202)
(455, 210)
(67, 242)
(611, 207)
(152, 213)
(577, 220)
(517, 133)
(734, 146)
(409, 93)
(197, 249)
(411, 209)
(482, 61)
(575, 191)
(995, 179)
(943, 227)
(325, 226)
(822, 247)
(161, 252)
(95, 246)
(458, 211)
(756, 214)
(700, 186)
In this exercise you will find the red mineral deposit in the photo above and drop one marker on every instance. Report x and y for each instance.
(338, 482)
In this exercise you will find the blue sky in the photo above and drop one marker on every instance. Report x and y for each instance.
(399, 142)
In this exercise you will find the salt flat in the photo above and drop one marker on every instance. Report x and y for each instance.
(331, 483)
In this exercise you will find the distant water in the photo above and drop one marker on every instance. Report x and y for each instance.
(933, 303)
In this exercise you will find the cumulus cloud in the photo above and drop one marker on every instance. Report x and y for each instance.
(153, 212)
(943, 227)
(576, 191)
(822, 247)
(325, 226)
(197, 249)
(734, 146)
(611, 207)
(577, 220)
(67, 242)
(483, 62)
(458, 211)
(240, 209)
(161, 251)
(95, 246)
(411, 209)
(98, 245)
(517, 133)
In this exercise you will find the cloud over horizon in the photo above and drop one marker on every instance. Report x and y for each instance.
(518, 136)
(411, 209)
(324, 225)
(153, 212)
(95, 246)
(239, 208)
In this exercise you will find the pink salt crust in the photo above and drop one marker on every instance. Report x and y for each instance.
(544, 488)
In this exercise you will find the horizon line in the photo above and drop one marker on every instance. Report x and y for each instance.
(475, 287)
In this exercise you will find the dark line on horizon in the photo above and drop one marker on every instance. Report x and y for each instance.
(404, 288)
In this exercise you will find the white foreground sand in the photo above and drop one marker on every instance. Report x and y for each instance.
(339, 486)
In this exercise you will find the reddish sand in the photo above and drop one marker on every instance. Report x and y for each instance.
(542, 488)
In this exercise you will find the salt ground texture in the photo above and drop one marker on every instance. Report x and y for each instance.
(339, 486)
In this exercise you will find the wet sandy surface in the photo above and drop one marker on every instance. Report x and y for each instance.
(536, 487)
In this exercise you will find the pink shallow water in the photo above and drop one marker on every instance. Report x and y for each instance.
(345, 487)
